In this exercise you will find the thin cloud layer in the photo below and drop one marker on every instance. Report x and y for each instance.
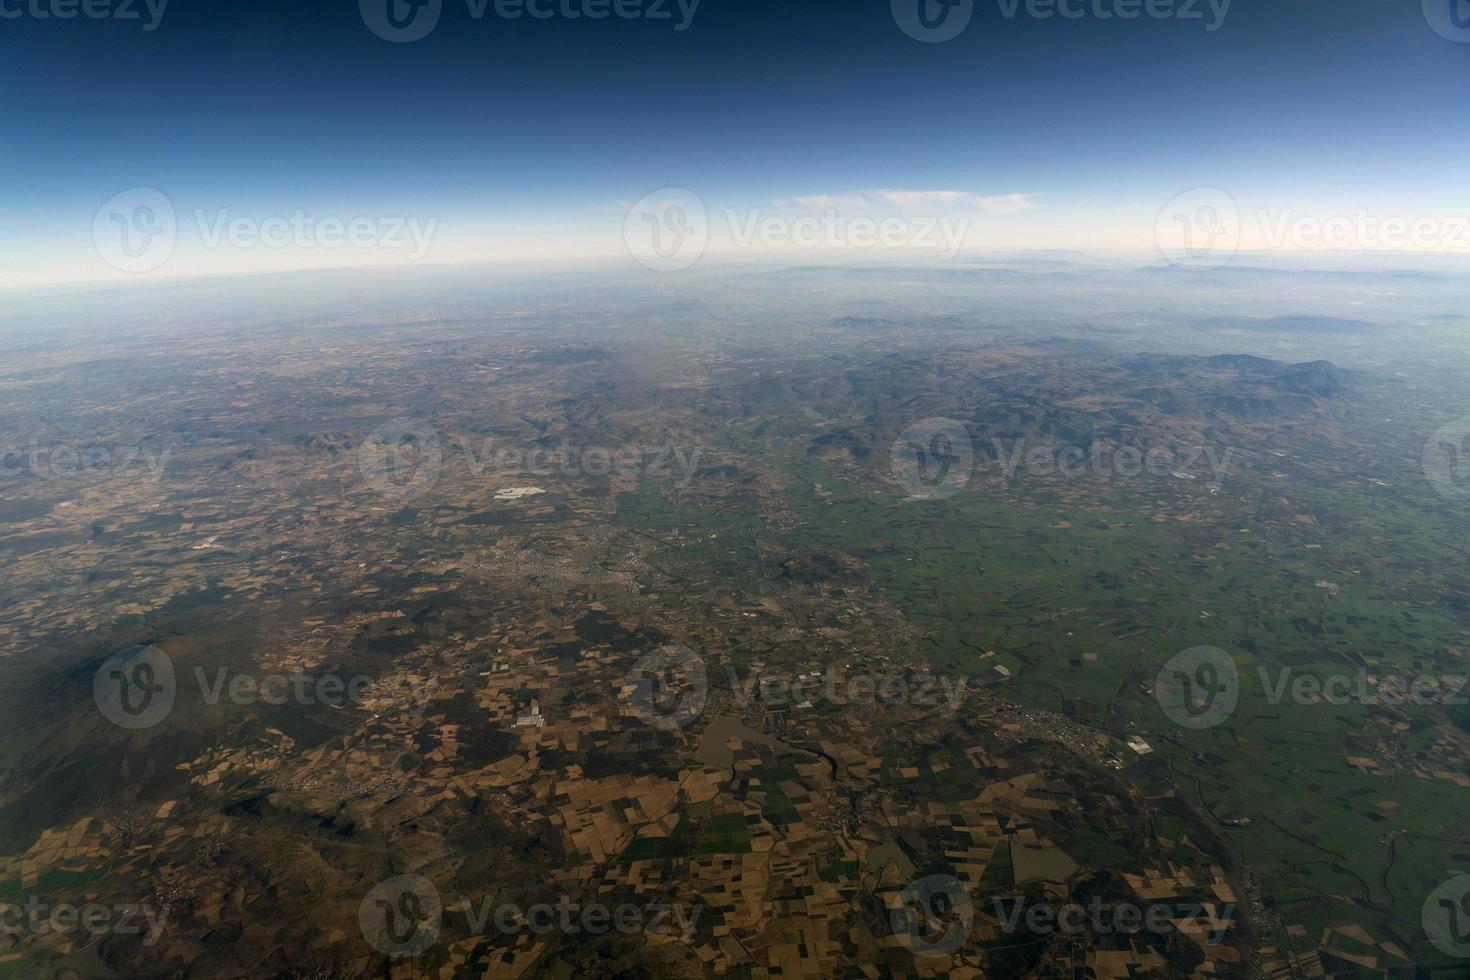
(910, 199)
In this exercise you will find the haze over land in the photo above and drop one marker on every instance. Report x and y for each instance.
(738, 488)
(457, 513)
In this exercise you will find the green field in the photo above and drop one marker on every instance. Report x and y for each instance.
(1042, 584)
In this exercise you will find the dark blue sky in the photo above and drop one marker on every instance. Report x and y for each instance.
(534, 134)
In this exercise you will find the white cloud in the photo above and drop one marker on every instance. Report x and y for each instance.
(1004, 203)
(920, 199)
(909, 200)
(830, 201)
